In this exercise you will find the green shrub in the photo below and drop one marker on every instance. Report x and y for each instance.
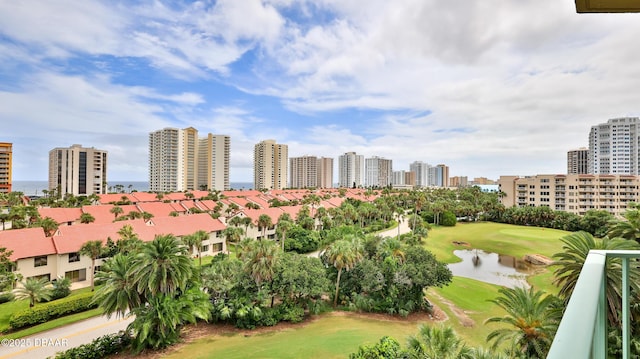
(100, 347)
(293, 314)
(448, 219)
(51, 310)
(61, 289)
(6, 297)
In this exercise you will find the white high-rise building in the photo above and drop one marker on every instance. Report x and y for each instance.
(351, 170)
(179, 161)
(614, 147)
(379, 172)
(421, 169)
(78, 171)
(270, 161)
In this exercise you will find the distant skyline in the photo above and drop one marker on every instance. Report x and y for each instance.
(489, 88)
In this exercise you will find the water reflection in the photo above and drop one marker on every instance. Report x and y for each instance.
(491, 268)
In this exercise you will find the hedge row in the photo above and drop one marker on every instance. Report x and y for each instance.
(47, 311)
(100, 347)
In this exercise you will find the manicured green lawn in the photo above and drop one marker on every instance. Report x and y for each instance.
(333, 335)
(494, 237)
(7, 310)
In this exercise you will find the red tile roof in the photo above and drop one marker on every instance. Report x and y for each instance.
(115, 197)
(60, 215)
(70, 239)
(161, 209)
(241, 193)
(254, 214)
(100, 213)
(144, 196)
(27, 242)
(183, 225)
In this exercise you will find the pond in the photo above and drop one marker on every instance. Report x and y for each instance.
(492, 268)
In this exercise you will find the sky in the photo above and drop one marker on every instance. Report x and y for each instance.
(489, 88)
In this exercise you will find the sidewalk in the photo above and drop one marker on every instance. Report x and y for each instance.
(46, 344)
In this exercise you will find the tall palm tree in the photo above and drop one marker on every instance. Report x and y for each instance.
(33, 289)
(162, 266)
(437, 343)
(233, 235)
(260, 259)
(343, 255)
(531, 320)
(194, 242)
(284, 226)
(569, 263)
(119, 293)
(264, 222)
(93, 250)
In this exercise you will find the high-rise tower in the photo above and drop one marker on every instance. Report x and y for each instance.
(78, 171)
(270, 161)
(179, 161)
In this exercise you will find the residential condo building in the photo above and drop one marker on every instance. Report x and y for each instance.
(614, 147)
(77, 170)
(325, 172)
(6, 154)
(404, 179)
(179, 160)
(574, 193)
(578, 161)
(303, 172)
(270, 161)
(379, 172)
(439, 176)
(351, 170)
(310, 172)
(421, 169)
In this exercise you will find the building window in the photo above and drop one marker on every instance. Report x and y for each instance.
(40, 261)
(204, 248)
(216, 247)
(74, 257)
(76, 275)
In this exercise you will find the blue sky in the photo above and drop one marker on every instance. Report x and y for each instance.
(490, 88)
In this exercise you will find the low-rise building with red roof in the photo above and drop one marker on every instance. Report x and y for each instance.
(62, 216)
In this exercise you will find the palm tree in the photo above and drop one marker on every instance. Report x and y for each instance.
(162, 266)
(392, 247)
(260, 260)
(146, 216)
(93, 250)
(283, 226)
(87, 218)
(341, 254)
(49, 226)
(629, 228)
(264, 222)
(531, 320)
(232, 234)
(34, 289)
(119, 293)
(116, 210)
(194, 241)
(437, 343)
(157, 324)
(569, 264)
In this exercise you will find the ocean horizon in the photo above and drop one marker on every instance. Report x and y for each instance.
(34, 188)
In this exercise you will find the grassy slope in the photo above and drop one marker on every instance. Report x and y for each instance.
(330, 336)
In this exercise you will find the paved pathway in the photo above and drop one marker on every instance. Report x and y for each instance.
(46, 344)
